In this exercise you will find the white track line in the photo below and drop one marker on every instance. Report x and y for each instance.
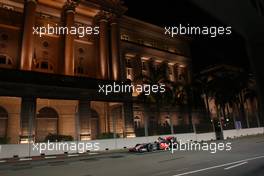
(25, 159)
(73, 155)
(50, 157)
(230, 167)
(218, 166)
(2, 161)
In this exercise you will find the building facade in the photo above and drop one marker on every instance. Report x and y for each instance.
(49, 83)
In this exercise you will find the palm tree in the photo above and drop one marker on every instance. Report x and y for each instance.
(228, 90)
(202, 90)
(223, 91)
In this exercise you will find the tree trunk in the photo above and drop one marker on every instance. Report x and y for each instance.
(208, 111)
(257, 112)
(145, 120)
(247, 114)
(158, 118)
(189, 109)
(242, 108)
(223, 113)
(171, 123)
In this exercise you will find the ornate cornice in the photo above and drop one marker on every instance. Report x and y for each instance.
(112, 6)
(107, 16)
(113, 19)
(102, 16)
(70, 5)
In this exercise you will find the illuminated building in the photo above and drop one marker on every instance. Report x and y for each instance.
(49, 83)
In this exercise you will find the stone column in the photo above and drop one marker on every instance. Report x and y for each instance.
(27, 117)
(68, 15)
(115, 44)
(28, 38)
(103, 46)
(128, 120)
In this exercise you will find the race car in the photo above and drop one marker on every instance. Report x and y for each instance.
(160, 144)
(145, 147)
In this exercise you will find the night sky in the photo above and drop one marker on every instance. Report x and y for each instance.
(206, 51)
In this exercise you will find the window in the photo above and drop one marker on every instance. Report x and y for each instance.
(170, 70)
(44, 65)
(137, 122)
(182, 73)
(129, 73)
(46, 123)
(154, 44)
(144, 66)
(124, 37)
(141, 41)
(128, 63)
(2, 59)
(5, 60)
(156, 65)
(8, 7)
(79, 69)
(181, 78)
(89, 123)
(176, 71)
(44, 16)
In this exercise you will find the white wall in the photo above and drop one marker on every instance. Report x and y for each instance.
(24, 150)
(242, 132)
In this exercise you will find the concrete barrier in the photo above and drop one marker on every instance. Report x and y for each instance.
(242, 132)
(26, 150)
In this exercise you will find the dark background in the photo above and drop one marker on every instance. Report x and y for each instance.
(205, 51)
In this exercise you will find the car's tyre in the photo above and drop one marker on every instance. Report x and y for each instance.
(150, 147)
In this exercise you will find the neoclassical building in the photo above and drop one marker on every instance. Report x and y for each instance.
(49, 84)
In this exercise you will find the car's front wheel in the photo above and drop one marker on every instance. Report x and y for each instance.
(150, 147)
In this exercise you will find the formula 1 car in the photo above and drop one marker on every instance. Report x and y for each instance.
(145, 147)
(161, 144)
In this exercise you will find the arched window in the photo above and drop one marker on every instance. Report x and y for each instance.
(3, 122)
(152, 122)
(46, 123)
(5, 61)
(87, 130)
